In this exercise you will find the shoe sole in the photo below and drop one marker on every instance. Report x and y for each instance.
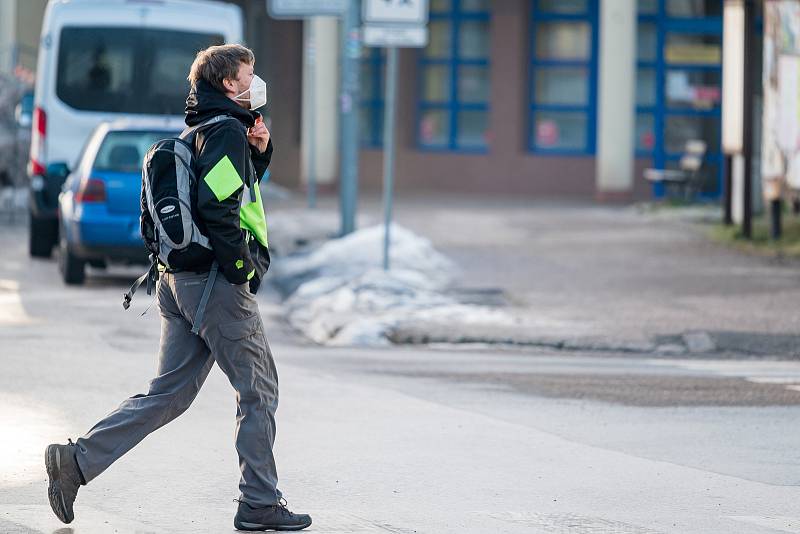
(253, 527)
(52, 461)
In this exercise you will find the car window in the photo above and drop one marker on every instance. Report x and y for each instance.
(123, 151)
(127, 70)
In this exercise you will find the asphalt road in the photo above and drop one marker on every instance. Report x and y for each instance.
(418, 439)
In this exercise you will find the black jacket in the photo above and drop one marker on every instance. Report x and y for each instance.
(227, 166)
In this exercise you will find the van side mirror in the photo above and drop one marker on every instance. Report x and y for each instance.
(58, 170)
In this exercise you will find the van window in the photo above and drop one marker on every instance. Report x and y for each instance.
(127, 70)
(123, 151)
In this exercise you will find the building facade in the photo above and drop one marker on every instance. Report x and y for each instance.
(540, 97)
(506, 97)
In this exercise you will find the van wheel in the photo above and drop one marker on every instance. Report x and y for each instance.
(41, 237)
(73, 269)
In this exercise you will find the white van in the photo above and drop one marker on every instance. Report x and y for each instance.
(103, 60)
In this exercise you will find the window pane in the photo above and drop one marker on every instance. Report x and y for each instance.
(556, 130)
(693, 49)
(474, 5)
(474, 40)
(561, 85)
(645, 132)
(564, 6)
(563, 40)
(472, 127)
(123, 151)
(439, 39)
(473, 84)
(693, 89)
(441, 5)
(648, 7)
(127, 70)
(694, 8)
(680, 129)
(646, 87)
(646, 42)
(434, 128)
(436, 83)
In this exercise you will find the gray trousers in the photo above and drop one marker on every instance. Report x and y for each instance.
(232, 335)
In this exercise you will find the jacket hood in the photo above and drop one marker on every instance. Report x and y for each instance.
(205, 101)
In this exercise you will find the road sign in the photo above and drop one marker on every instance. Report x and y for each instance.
(298, 9)
(405, 36)
(396, 12)
(401, 23)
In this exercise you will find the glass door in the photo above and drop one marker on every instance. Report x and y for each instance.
(679, 83)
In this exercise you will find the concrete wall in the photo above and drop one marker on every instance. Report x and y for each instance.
(616, 93)
(8, 23)
(30, 14)
(320, 110)
(20, 28)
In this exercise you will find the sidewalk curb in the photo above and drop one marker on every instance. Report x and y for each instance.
(695, 344)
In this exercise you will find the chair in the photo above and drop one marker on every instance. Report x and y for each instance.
(687, 179)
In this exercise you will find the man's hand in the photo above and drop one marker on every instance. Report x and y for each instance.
(258, 135)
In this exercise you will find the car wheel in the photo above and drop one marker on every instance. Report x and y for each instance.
(41, 237)
(73, 269)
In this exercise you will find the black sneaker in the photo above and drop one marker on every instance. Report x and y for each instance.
(65, 479)
(275, 517)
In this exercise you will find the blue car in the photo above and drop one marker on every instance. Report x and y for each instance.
(98, 207)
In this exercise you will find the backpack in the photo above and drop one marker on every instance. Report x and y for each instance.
(170, 223)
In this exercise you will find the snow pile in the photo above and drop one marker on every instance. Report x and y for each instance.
(340, 295)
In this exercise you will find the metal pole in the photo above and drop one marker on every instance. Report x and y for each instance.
(747, 120)
(388, 147)
(728, 192)
(348, 174)
(312, 120)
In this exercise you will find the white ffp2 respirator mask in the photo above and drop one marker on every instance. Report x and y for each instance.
(258, 93)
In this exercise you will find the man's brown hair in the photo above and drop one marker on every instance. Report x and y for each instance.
(217, 63)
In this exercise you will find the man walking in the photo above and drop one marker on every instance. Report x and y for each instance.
(231, 155)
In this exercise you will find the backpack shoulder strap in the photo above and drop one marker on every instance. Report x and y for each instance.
(191, 130)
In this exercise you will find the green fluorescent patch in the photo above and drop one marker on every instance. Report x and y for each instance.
(252, 273)
(239, 264)
(223, 179)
